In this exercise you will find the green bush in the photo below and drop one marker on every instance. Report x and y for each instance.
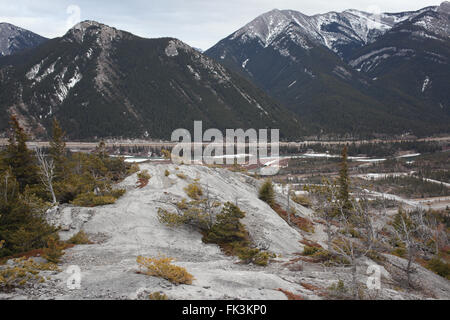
(54, 251)
(309, 251)
(79, 238)
(439, 267)
(90, 199)
(254, 255)
(116, 193)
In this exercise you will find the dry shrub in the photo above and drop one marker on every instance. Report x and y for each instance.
(143, 179)
(318, 291)
(294, 265)
(310, 287)
(163, 268)
(309, 243)
(302, 223)
(302, 200)
(194, 191)
(23, 272)
(181, 176)
(158, 296)
(290, 295)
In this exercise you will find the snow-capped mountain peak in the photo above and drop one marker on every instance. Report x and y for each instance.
(338, 31)
(265, 27)
(14, 39)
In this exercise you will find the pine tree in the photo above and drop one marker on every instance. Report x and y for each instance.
(228, 227)
(344, 182)
(58, 150)
(19, 158)
(267, 194)
(22, 224)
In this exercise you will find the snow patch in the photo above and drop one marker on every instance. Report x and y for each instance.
(196, 75)
(171, 50)
(62, 89)
(34, 71)
(426, 83)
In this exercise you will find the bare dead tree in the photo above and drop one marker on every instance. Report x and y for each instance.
(411, 229)
(324, 198)
(289, 203)
(438, 234)
(342, 223)
(8, 185)
(46, 172)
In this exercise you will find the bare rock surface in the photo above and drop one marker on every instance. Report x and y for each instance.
(129, 228)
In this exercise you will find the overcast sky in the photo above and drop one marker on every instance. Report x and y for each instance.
(200, 23)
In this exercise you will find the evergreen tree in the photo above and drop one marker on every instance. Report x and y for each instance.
(19, 158)
(101, 150)
(22, 225)
(344, 181)
(267, 194)
(228, 227)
